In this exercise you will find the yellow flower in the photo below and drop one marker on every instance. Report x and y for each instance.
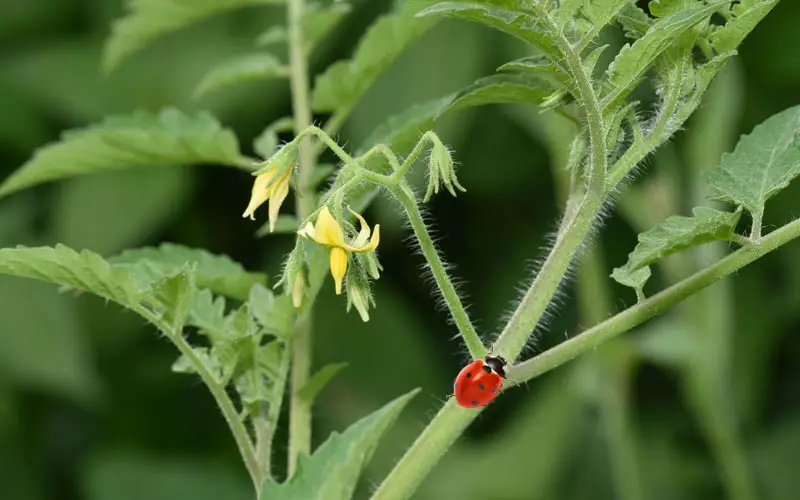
(327, 232)
(275, 193)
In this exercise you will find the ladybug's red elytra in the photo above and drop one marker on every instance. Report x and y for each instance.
(480, 381)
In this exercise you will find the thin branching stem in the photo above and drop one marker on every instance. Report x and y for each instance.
(217, 390)
(642, 311)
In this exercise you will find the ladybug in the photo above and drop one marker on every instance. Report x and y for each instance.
(480, 381)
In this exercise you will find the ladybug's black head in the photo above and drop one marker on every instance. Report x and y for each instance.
(497, 364)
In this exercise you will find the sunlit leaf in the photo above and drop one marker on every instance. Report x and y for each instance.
(634, 60)
(340, 86)
(218, 273)
(746, 16)
(142, 139)
(333, 470)
(678, 233)
(64, 266)
(241, 69)
(633, 279)
(147, 20)
(519, 22)
(763, 163)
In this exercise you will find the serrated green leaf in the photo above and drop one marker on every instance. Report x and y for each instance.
(601, 12)
(539, 66)
(64, 266)
(664, 8)
(633, 61)
(175, 296)
(142, 139)
(256, 367)
(634, 21)
(633, 279)
(678, 233)
(147, 20)
(567, 9)
(241, 69)
(209, 315)
(319, 380)
(218, 273)
(763, 163)
(728, 37)
(332, 471)
(521, 23)
(274, 314)
(340, 86)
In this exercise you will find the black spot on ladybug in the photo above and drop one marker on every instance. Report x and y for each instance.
(494, 389)
(474, 403)
(469, 374)
(481, 387)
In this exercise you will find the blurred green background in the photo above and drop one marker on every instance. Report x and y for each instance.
(701, 403)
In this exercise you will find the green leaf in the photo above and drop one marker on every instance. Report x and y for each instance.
(340, 86)
(763, 163)
(266, 144)
(728, 37)
(318, 381)
(209, 315)
(149, 19)
(218, 273)
(143, 139)
(633, 61)
(64, 266)
(517, 22)
(602, 12)
(405, 128)
(175, 295)
(274, 314)
(664, 8)
(634, 21)
(319, 20)
(274, 35)
(633, 279)
(241, 69)
(332, 471)
(678, 233)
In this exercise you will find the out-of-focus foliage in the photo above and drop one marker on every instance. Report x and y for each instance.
(90, 410)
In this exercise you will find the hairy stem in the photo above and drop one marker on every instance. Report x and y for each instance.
(300, 410)
(457, 311)
(224, 402)
(642, 311)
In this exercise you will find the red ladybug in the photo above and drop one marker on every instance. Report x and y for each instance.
(480, 381)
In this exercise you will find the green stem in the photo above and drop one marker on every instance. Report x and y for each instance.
(642, 311)
(578, 221)
(217, 390)
(427, 450)
(300, 410)
(457, 311)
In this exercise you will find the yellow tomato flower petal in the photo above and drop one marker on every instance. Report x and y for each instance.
(278, 192)
(327, 231)
(338, 267)
(259, 194)
(363, 234)
(262, 191)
